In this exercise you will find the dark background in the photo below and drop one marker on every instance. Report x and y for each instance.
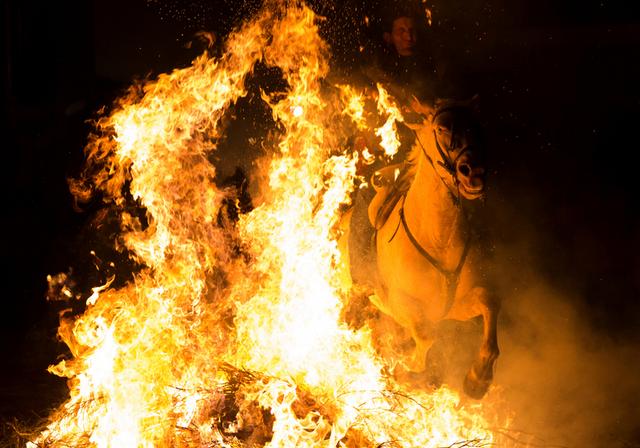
(559, 95)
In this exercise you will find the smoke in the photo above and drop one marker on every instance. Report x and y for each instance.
(569, 382)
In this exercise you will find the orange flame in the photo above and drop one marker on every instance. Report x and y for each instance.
(355, 105)
(154, 360)
(390, 141)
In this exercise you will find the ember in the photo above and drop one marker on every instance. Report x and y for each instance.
(178, 357)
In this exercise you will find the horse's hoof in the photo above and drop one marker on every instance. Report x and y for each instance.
(475, 387)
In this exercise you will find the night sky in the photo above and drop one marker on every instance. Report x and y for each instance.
(560, 98)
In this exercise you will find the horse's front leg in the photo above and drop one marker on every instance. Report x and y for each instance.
(480, 376)
(423, 334)
(402, 309)
(414, 368)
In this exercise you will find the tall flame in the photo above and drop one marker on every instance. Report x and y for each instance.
(156, 361)
(387, 132)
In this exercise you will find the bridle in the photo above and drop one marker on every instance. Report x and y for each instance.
(446, 162)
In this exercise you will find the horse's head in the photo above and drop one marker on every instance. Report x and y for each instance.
(451, 139)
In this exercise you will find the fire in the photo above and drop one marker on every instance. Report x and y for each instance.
(176, 358)
(354, 105)
(387, 132)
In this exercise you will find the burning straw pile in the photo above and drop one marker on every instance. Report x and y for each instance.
(208, 348)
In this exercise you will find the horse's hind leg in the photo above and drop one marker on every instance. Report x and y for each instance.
(479, 377)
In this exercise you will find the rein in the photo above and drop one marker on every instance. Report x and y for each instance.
(452, 277)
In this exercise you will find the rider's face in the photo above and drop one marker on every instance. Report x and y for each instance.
(402, 36)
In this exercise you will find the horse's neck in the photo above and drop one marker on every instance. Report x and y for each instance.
(431, 213)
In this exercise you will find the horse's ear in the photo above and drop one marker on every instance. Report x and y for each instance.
(423, 109)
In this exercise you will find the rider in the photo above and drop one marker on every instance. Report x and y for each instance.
(404, 61)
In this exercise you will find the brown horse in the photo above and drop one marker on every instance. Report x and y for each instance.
(429, 267)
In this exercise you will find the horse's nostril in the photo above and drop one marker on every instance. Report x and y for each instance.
(464, 169)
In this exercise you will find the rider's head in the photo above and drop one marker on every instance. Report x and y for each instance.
(400, 33)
